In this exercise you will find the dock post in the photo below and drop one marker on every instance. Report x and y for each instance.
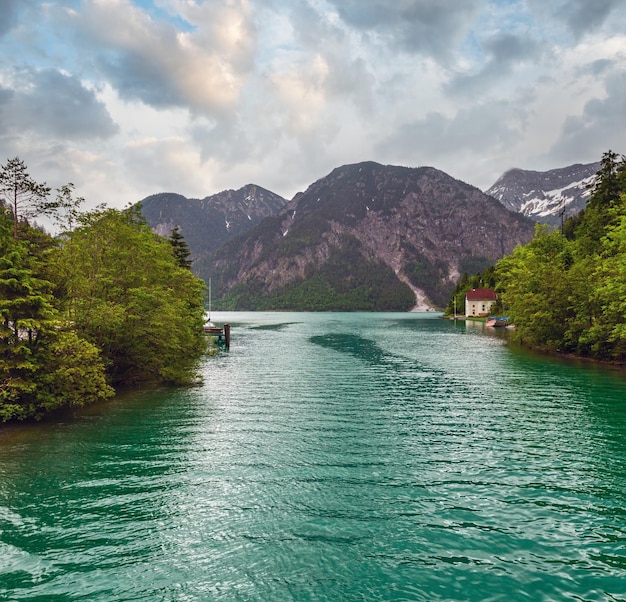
(227, 335)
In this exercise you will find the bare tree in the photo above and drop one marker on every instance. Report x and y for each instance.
(24, 197)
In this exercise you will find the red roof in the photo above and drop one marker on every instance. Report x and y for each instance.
(481, 294)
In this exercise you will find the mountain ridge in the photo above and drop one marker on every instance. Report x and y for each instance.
(417, 228)
(212, 221)
(546, 196)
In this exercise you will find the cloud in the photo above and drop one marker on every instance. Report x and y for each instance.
(583, 16)
(578, 18)
(130, 97)
(596, 68)
(599, 128)
(430, 27)
(8, 15)
(347, 67)
(157, 63)
(164, 164)
(297, 100)
(301, 93)
(506, 52)
(494, 125)
(49, 103)
(6, 96)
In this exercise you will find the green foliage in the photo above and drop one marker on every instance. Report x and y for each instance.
(607, 332)
(127, 294)
(107, 302)
(610, 182)
(64, 371)
(25, 303)
(41, 367)
(72, 374)
(486, 279)
(346, 282)
(590, 226)
(20, 193)
(567, 291)
(536, 289)
(180, 248)
(66, 207)
(430, 277)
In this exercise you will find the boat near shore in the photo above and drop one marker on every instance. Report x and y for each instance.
(497, 322)
(221, 334)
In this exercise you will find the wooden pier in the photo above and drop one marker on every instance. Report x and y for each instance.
(221, 334)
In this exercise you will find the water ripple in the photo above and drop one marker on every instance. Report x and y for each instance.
(330, 457)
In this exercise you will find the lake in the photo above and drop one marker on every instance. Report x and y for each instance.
(329, 457)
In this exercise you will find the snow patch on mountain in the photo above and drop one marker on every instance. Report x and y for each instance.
(548, 196)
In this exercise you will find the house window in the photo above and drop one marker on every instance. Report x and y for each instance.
(483, 307)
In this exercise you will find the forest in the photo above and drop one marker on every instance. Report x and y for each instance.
(565, 290)
(106, 302)
(346, 282)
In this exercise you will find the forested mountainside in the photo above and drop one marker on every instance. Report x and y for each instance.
(365, 237)
(548, 197)
(208, 223)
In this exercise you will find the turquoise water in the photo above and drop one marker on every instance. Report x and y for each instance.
(330, 457)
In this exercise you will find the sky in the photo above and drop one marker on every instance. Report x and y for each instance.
(127, 98)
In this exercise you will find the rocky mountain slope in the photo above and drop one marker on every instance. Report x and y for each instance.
(369, 237)
(546, 196)
(209, 223)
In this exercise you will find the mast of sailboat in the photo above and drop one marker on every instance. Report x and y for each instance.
(209, 299)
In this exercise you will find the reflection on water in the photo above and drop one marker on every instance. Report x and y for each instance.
(330, 457)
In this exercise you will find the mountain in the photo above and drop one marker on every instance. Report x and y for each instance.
(365, 237)
(209, 223)
(546, 196)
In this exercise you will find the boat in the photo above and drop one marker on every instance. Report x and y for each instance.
(220, 333)
(209, 327)
(497, 322)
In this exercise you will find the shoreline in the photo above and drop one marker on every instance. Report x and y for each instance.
(620, 364)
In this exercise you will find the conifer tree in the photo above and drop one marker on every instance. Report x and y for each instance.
(20, 193)
(608, 185)
(180, 248)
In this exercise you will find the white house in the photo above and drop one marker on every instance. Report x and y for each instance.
(478, 301)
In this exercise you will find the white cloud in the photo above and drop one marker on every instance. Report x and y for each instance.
(161, 66)
(301, 93)
(166, 164)
(196, 96)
